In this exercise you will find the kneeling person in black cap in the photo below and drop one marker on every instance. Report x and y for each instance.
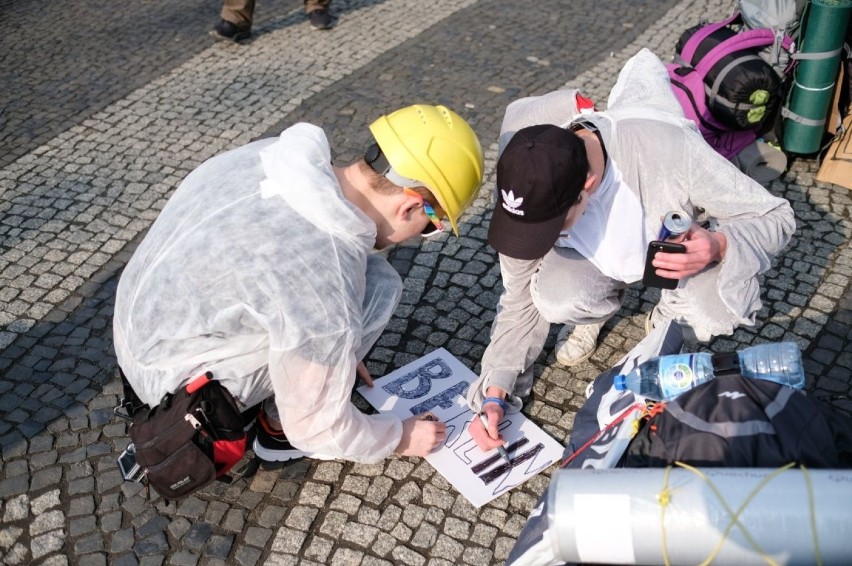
(580, 194)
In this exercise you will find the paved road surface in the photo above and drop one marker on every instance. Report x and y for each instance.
(105, 108)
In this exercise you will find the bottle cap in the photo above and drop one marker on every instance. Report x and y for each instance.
(620, 382)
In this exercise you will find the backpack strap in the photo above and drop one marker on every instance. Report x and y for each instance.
(820, 55)
(713, 91)
(129, 405)
(743, 40)
(799, 119)
(691, 45)
(682, 83)
(732, 429)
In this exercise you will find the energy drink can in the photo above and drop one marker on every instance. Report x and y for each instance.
(675, 225)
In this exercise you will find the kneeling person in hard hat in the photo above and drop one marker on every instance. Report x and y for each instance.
(261, 269)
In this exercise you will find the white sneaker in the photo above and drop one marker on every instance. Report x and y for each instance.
(578, 346)
(654, 319)
(650, 321)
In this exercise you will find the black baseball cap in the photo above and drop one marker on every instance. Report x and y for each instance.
(539, 177)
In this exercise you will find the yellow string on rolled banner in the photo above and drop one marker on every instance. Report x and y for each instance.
(689, 515)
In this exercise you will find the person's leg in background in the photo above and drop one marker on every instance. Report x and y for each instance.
(236, 21)
(318, 13)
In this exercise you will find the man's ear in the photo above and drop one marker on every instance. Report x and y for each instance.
(408, 207)
(591, 183)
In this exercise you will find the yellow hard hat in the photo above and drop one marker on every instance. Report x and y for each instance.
(435, 147)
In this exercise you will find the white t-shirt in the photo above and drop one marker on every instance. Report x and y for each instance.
(611, 232)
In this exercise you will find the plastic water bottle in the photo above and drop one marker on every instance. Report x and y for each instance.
(666, 377)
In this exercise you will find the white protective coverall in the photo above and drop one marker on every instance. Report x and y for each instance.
(260, 271)
(664, 160)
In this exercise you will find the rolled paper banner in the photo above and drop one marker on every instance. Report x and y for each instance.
(823, 31)
(688, 516)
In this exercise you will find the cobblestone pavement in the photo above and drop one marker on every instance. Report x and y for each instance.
(93, 141)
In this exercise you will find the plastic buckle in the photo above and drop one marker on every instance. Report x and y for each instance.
(726, 364)
(127, 407)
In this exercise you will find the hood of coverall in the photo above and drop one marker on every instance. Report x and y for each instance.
(304, 180)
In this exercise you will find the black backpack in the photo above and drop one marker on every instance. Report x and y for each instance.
(733, 421)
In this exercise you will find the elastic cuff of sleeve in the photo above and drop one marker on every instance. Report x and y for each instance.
(497, 400)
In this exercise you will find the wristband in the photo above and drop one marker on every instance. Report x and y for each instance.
(497, 400)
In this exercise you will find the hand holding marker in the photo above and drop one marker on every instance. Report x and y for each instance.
(500, 449)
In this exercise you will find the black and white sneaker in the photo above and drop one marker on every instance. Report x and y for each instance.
(227, 31)
(272, 446)
(320, 18)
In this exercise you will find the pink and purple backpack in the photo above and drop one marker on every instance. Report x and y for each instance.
(724, 86)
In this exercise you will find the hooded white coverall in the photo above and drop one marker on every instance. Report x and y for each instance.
(260, 271)
(666, 163)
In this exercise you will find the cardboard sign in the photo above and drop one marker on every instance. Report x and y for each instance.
(437, 383)
(837, 164)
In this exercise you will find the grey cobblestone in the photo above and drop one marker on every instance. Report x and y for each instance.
(46, 522)
(82, 526)
(147, 514)
(272, 515)
(247, 556)
(191, 507)
(300, 518)
(219, 546)
(18, 554)
(151, 560)
(122, 541)
(288, 540)
(215, 511)
(184, 558)
(179, 527)
(250, 500)
(256, 536)
(333, 524)
(87, 560)
(89, 544)
(319, 550)
(79, 185)
(152, 546)
(44, 544)
(234, 520)
(197, 536)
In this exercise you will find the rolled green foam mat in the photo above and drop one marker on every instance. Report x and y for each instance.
(822, 31)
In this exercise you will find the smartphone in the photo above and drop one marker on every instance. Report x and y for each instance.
(650, 278)
(128, 466)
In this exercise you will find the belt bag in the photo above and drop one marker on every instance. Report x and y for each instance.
(191, 438)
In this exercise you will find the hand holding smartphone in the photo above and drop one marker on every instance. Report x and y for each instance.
(650, 277)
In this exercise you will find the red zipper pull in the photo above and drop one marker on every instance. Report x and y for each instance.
(198, 383)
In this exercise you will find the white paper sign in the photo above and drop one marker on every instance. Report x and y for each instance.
(437, 383)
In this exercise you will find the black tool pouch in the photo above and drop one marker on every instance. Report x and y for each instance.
(192, 437)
